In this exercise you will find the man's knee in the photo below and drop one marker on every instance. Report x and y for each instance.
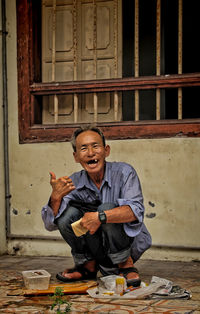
(69, 216)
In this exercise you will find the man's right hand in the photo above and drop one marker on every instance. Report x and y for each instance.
(60, 188)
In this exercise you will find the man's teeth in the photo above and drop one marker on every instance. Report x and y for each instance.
(92, 161)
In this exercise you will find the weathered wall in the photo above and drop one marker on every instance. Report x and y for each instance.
(168, 170)
(3, 247)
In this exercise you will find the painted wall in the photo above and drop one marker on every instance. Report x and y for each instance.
(3, 246)
(168, 170)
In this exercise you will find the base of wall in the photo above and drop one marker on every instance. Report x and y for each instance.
(172, 254)
(60, 248)
(38, 248)
(3, 249)
(3, 243)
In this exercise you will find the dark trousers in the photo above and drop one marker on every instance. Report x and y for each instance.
(109, 246)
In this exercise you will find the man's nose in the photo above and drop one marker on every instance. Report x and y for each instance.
(90, 151)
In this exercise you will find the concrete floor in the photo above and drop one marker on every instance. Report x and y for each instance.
(187, 275)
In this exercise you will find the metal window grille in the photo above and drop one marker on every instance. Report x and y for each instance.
(136, 57)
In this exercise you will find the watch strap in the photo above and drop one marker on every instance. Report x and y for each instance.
(102, 217)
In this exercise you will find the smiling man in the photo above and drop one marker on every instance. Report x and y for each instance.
(107, 199)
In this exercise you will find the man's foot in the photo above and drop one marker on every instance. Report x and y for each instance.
(76, 274)
(129, 272)
(83, 272)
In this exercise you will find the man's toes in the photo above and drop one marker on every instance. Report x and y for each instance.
(131, 276)
(74, 275)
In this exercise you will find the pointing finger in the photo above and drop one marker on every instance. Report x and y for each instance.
(52, 175)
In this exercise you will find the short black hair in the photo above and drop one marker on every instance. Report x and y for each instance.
(84, 129)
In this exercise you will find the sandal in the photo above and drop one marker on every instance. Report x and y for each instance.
(130, 282)
(86, 274)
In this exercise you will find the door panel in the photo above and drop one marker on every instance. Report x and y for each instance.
(88, 47)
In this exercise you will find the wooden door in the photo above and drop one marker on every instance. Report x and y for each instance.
(87, 47)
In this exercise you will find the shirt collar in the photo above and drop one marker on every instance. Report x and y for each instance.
(107, 175)
(85, 181)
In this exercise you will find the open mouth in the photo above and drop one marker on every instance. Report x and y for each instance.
(92, 162)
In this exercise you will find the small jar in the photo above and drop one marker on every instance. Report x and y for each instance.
(120, 281)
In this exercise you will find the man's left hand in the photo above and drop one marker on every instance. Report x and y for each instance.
(91, 222)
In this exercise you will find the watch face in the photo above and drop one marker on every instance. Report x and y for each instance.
(102, 217)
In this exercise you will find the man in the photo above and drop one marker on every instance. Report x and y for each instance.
(107, 197)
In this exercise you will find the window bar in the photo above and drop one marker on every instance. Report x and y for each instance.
(115, 38)
(158, 43)
(136, 59)
(95, 106)
(75, 108)
(116, 96)
(180, 55)
(55, 102)
(75, 38)
(55, 98)
(116, 105)
(53, 57)
(95, 98)
(75, 57)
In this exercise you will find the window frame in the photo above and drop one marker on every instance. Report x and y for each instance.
(29, 86)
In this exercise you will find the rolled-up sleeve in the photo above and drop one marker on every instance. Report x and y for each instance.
(48, 218)
(131, 193)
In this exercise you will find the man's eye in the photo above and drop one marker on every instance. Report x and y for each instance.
(95, 146)
(83, 149)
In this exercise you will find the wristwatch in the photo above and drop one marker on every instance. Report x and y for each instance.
(102, 217)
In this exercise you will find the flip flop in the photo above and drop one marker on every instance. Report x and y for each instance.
(86, 274)
(130, 282)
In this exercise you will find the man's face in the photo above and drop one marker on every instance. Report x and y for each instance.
(90, 152)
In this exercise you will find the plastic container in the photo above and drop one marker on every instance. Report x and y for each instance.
(36, 279)
(120, 282)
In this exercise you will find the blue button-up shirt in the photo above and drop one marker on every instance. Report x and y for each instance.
(120, 186)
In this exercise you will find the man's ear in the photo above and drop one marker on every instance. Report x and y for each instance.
(107, 150)
(76, 157)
